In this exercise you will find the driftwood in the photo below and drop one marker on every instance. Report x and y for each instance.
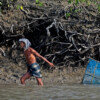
(64, 41)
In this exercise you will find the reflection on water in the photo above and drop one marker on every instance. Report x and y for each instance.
(50, 92)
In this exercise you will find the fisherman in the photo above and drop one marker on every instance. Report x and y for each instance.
(33, 68)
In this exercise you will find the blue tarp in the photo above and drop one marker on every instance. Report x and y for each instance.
(92, 73)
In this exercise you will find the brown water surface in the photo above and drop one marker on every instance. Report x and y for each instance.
(50, 92)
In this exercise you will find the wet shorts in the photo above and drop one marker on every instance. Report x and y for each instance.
(34, 70)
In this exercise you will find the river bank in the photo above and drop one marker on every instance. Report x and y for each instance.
(11, 72)
(66, 33)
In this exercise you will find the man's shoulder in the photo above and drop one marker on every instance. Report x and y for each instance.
(31, 49)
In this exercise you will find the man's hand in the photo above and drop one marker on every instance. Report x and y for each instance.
(51, 64)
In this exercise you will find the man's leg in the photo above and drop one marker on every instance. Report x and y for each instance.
(25, 77)
(39, 80)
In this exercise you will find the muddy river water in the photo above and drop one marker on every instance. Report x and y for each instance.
(50, 92)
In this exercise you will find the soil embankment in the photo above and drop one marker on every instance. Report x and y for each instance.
(65, 32)
(11, 72)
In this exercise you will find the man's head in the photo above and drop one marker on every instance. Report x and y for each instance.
(24, 43)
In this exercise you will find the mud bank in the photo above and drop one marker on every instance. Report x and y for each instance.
(71, 44)
(11, 72)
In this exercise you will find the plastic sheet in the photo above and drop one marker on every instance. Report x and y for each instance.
(92, 73)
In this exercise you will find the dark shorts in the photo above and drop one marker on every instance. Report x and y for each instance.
(34, 70)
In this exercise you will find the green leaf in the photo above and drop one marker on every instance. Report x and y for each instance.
(76, 10)
(88, 2)
(0, 3)
(69, 1)
(71, 9)
(67, 15)
(8, 5)
(18, 7)
(40, 4)
(0, 10)
(76, 2)
(99, 8)
(37, 1)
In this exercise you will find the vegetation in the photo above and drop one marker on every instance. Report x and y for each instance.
(8, 4)
(77, 8)
(60, 33)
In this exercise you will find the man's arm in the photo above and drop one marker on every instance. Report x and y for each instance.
(37, 54)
